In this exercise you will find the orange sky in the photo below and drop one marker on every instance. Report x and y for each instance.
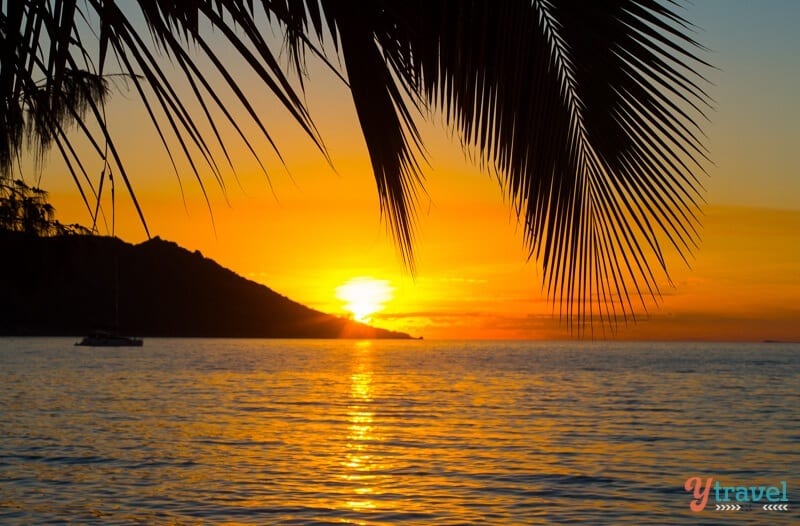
(320, 228)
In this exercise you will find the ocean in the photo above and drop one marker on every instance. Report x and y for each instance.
(186, 431)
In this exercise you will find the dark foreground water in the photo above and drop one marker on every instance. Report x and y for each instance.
(332, 432)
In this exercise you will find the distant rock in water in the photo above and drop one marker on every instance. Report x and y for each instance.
(64, 285)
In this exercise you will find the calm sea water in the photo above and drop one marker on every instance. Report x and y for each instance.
(333, 432)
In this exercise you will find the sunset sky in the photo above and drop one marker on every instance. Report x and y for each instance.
(317, 228)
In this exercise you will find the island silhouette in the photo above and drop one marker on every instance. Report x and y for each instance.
(64, 285)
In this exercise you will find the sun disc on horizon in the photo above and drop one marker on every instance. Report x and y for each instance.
(364, 296)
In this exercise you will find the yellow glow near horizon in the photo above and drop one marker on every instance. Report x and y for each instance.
(364, 296)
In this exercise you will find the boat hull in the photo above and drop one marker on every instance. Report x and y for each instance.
(110, 341)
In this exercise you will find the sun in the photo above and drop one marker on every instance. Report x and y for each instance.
(364, 296)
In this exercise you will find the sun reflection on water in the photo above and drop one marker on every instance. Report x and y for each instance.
(358, 461)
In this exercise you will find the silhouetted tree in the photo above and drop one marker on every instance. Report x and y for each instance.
(586, 110)
(25, 209)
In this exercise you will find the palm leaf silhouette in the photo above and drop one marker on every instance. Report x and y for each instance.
(588, 112)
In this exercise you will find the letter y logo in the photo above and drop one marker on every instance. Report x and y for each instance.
(694, 484)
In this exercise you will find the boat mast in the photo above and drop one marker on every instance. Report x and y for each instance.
(116, 255)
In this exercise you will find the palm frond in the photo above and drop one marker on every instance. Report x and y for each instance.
(69, 93)
(588, 111)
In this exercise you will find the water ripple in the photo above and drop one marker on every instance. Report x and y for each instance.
(279, 432)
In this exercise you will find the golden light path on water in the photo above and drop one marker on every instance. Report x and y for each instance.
(358, 462)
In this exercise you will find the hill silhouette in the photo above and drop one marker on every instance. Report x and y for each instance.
(64, 285)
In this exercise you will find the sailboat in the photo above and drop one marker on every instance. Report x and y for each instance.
(110, 338)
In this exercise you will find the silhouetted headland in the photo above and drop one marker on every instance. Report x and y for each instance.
(64, 285)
